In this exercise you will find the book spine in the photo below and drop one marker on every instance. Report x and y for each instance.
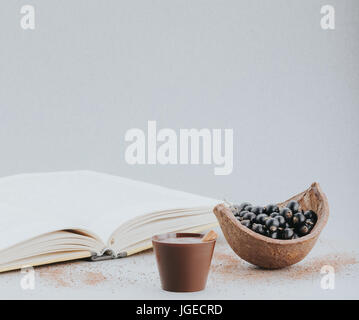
(107, 254)
(122, 254)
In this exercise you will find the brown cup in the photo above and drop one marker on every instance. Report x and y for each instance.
(183, 267)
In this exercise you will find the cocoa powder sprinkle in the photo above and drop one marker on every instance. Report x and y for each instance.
(227, 266)
(70, 275)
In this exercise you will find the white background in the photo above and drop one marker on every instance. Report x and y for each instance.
(91, 70)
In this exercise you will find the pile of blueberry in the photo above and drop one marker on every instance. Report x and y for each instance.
(286, 223)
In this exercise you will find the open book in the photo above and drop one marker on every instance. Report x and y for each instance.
(53, 217)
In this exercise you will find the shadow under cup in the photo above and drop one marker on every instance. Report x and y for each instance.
(183, 266)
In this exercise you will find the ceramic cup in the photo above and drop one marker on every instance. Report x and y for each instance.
(183, 260)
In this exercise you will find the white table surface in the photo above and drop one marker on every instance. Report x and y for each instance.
(136, 277)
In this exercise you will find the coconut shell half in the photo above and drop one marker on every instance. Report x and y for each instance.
(272, 253)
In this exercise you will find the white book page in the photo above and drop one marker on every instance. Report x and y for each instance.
(33, 204)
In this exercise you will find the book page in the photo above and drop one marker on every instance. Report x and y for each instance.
(32, 204)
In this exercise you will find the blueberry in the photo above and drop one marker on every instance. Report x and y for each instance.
(272, 224)
(258, 228)
(272, 208)
(281, 221)
(274, 214)
(274, 235)
(310, 214)
(286, 213)
(249, 208)
(235, 210)
(257, 210)
(249, 216)
(242, 213)
(243, 205)
(303, 230)
(246, 223)
(261, 218)
(298, 219)
(310, 223)
(293, 206)
(288, 233)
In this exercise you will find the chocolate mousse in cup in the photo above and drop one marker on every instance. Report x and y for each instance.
(183, 260)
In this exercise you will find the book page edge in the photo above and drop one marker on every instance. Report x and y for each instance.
(82, 255)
